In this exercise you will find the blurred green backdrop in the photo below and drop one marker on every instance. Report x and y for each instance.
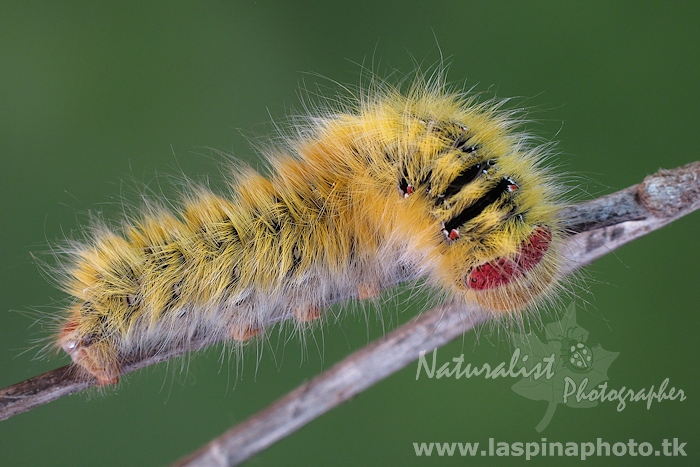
(93, 97)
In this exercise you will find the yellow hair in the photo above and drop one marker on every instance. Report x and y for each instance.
(428, 184)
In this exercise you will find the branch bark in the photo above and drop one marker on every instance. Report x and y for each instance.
(598, 227)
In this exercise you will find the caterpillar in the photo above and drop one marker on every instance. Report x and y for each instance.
(426, 183)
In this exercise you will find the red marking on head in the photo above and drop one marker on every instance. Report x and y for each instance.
(69, 327)
(454, 234)
(409, 189)
(502, 271)
(534, 249)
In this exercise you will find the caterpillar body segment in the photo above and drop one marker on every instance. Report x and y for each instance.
(425, 185)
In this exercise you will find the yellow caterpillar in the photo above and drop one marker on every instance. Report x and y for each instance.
(428, 184)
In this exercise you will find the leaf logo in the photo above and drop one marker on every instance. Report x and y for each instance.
(575, 360)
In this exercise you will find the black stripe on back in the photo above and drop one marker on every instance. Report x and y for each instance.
(470, 212)
(465, 177)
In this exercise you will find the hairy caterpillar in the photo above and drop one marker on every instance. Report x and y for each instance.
(429, 184)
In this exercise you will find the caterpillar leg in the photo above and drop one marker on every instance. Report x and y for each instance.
(369, 290)
(241, 332)
(307, 314)
(97, 357)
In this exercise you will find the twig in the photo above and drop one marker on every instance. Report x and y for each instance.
(604, 224)
(344, 380)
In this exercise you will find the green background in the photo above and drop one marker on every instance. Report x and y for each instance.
(95, 99)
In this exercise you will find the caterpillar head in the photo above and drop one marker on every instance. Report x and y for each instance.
(495, 208)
